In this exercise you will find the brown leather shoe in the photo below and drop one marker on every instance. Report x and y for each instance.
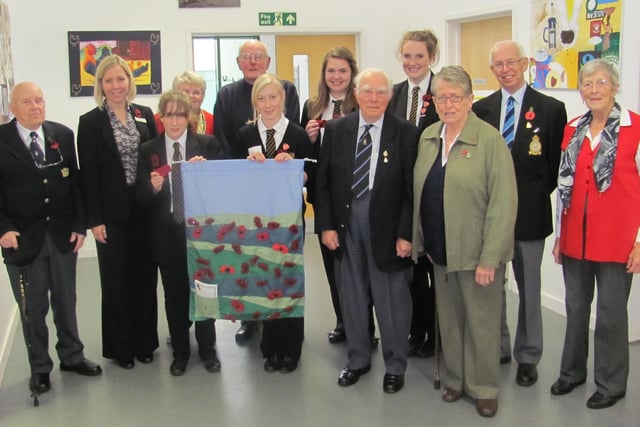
(451, 395)
(487, 407)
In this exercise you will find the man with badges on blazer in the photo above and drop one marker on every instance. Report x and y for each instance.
(364, 213)
(42, 229)
(166, 231)
(532, 125)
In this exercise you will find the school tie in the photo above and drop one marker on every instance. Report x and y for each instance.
(176, 184)
(337, 108)
(271, 144)
(509, 129)
(413, 113)
(36, 151)
(360, 185)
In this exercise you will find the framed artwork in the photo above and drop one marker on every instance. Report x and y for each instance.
(208, 3)
(141, 50)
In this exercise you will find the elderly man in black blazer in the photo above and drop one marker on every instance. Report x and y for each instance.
(534, 135)
(363, 212)
(165, 233)
(42, 229)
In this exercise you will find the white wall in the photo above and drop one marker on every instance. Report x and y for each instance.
(39, 32)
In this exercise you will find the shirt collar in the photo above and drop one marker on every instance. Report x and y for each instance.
(280, 126)
(423, 85)
(625, 118)
(182, 140)
(25, 133)
(377, 124)
(517, 95)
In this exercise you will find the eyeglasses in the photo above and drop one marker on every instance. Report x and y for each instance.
(368, 92)
(255, 56)
(509, 63)
(456, 99)
(599, 84)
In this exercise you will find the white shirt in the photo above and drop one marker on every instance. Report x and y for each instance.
(25, 134)
(423, 85)
(518, 96)
(280, 128)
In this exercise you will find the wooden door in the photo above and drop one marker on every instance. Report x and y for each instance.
(477, 37)
(315, 47)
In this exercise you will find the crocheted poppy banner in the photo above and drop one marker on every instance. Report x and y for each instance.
(244, 239)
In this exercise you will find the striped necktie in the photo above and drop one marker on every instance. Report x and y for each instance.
(360, 185)
(413, 113)
(36, 151)
(509, 129)
(177, 197)
(337, 108)
(271, 144)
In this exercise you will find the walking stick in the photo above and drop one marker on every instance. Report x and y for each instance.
(436, 374)
(27, 331)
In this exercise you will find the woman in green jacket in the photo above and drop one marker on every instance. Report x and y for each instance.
(465, 201)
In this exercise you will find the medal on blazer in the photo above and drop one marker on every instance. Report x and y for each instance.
(535, 146)
(64, 172)
(385, 154)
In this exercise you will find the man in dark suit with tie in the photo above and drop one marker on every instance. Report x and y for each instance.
(42, 229)
(532, 125)
(166, 230)
(364, 213)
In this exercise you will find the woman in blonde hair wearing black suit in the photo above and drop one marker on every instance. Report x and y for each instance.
(109, 139)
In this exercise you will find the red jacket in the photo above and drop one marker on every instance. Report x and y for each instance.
(603, 226)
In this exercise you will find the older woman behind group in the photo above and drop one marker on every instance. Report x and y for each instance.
(195, 86)
(599, 239)
(109, 139)
(464, 173)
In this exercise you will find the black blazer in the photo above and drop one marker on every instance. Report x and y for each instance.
(153, 155)
(398, 104)
(391, 204)
(103, 181)
(536, 169)
(36, 201)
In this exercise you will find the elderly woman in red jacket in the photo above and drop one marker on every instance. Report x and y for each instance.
(599, 236)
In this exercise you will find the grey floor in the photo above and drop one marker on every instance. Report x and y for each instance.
(242, 394)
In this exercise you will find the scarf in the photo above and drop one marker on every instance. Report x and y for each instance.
(603, 160)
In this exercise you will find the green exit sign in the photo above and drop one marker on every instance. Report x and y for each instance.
(277, 19)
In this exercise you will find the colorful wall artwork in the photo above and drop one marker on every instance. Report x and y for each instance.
(569, 33)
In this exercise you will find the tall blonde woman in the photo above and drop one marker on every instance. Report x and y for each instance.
(109, 139)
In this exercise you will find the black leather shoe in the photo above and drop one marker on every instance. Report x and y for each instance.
(211, 363)
(272, 364)
(413, 349)
(247, 330)
(527, 374)
(288, 365)
(392, 383)
(126, 363)
(337, 335)
(40, 383)
(505, 360)
(145, 358)
(600, 401)
(427, 349)
(561, 387)
(179, 366)
(84, 367)
(351, 376)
